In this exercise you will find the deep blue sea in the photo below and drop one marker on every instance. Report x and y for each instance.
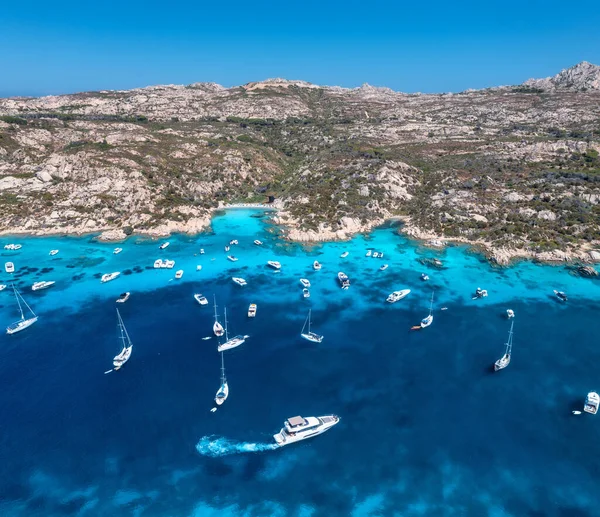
(426, 428)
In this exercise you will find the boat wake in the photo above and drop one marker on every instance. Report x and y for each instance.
(216, 447)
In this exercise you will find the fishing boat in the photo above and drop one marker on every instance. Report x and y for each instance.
(258, 243)
(592, 401)
(109, 276)
(344, 255)
(560, 295)
(239, 281)
(510, 313)
(223, 392)
(310, 336)
(127, 346)
(424, 277)
(427, 320)
(397, 295)
(158, 264)
(217, 327)
(274, 264)
(123, 297)
(37, 286)
(316, 265)
(368, 254)
(305, 282)
(504, 361)
(344, 280)
(230, 343)
(179, 274)
(252, 310)
(116, 251)
(164, 245)
(384, 267)
(53, 252)
(201, 299)
(232, 258)
(298, 428)
(305, 293)
(23, 323)
(9, 267)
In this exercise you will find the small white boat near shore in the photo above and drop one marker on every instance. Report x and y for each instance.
(316, 265)
(274, 264)
(116, 251)
(169, 264)
(109, 276)
(38, 286)
(158, 264)
(384, 267)
(344, 255)
(397, 295)
(258, 243)
(53, 252)
(239, 280)
(344, 280)
(164, 245)
(2, 287)
(305, 293)
(232, 258)
(13, 247)
(179, 274)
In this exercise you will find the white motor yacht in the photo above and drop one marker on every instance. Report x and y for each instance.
(13, 247)
(217, 327)
(53, 252)
(37, 286)
(592, 401)
(560, 295)
(258, 243)
(252, 310)
(368, 254)
(298, 428)
(198, 267)
(510, 313)
(116, 251)
(164, 245)
(169, 264)
(344, 255)
(305, 282)
(201, 251)
(234, 242)
(384, 267)
(123, 297)
(316, 265)
(239, 281)
(179, 274)
(158, 264)
(344, 280)
(424, 277)
(201, 299)
(397, 295)
(480, 293)
(305, 293)
(375, 254)
(109, 276)
(9, 267)
(232, 258)
(274, 264)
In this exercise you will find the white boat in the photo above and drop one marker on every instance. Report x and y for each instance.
(424, 277)
(9, 267)
(344, 280)
(427, 320)
(37, 286)
(504, 361)
(53, 252)
(2, 287)
(592, 401)
(179, 274)
(375, 254)
(310, 336)
(116, 251)
(397, 295)
(316, 265)
(109, 276)
(223, 391)
(344, 255)
(510, 313)
(123, 297)
(480, 293)
(198, 267)
(274, 264)
(252, 310)
(201, 251)
(232, 258)
(217, 327)
(381, 254)
(368, 254)
(258, 243)
(305, 293)
(560, 295)
(23, 323)
(239, 281)
(234, 242)
(298, 428)
(305, 282)
(127, 346)
(230, 343)
(169, 264)
(227, 248)
(158, 264)
(164, 245)
(384, 267)
(201, 299)
(13, 247)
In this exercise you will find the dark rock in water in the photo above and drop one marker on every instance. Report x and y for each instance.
(149, 267)
(97, 275)
(70, 266)
(78, 277)
(33, 269)
(127, 272)
(47, 269)
(583, 271)
(432, 262)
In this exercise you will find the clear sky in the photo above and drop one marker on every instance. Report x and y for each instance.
(434, 46)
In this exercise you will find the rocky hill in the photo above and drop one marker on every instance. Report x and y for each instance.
(514, 169)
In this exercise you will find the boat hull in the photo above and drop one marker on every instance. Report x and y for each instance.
(232, 343)
(282, 438)
(20, 325)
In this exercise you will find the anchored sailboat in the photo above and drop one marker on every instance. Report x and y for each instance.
(23, 323)
(425, 322)
(127, 345)
(223, 392)
(217, 327)
(230, 343)
(504, 361)
(310, 336)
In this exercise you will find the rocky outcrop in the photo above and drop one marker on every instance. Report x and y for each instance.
(583, 76)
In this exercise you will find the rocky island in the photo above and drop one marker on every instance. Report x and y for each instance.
(514, 170)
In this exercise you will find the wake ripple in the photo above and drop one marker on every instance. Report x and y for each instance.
(219, 446)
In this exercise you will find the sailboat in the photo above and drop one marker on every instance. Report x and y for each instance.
(310, 336)
(230, 343)
(23, 323)
(217, 327)
(504, 361)
(425, 322)
(124, 355)
(223, 392)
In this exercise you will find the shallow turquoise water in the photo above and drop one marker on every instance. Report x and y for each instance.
(426, 429)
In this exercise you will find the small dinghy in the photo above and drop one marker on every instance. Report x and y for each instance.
(576, 412)
(560, 295)
(510, 313)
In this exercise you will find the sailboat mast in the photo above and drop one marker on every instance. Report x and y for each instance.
(122, 330)
(215, 301)
(226, 334)
(309, 311)
(510, 338)
(18, 302)
(222, 369)
(431, 304)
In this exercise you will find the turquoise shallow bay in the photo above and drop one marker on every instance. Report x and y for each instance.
(426, 428)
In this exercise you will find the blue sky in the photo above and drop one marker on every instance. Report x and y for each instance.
(435, 46)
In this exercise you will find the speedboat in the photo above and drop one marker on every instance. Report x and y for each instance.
(480, 293)
(201, 251)
(344, 255)
(13, 247)
(384, 267)
(560, 295)
(227, 248)
(274, 264)
(18, 246)
(258, 243)
(109, 276)
(381, 254)
(239, 281)
(368, 254)
(179, 274)
(53, 252)
(592, 401)
(232, 258)
(2, 287)
(375, 254)
(397, 295)
(510, 313)
(316, 265)
(233, 242)
(305, 293)
(158, 264)
(424, 277)
(116, 251)
(198, 267)
(42, 285)
(169, 264)
(164, 245)
(201, 299)
(123, 297)
(305, 282)
(9, 267)
(252, 310)
(344, 280)
(297, 428)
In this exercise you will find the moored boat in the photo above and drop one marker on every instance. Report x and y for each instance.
(305, 293)
(252, 310)
(217, 327)
(258, 243)
(9, 267)
(232, 258)
(384, 267)
(560, 295)
(480, 293)
(230, 343)
(298, 428)
(179, 273)
(428, 320)
(198, 267)
(116, 251)
(592, 401)
(23, 323)
(316, 265)
(201, 299)
(274, 264)
(504, 361)
(397, 295)
(127, 346)
(123, 297)
(344, 255)
(169, 264)
(164, 245)
(158, 264)
(109, 276)
(223, 391)
(344, 280)
(53, 252)
(305, 282)
(510, 313)
(2, 287)
(310, 336)
(239, 280)
(424, 277)
(368, 254)
(37, 286)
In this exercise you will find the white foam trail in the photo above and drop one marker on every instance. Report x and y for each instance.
(218, 446)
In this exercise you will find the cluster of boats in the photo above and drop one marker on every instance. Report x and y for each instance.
(13, 247)
(164, 264)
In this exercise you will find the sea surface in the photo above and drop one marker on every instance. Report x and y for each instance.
(426, 428)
